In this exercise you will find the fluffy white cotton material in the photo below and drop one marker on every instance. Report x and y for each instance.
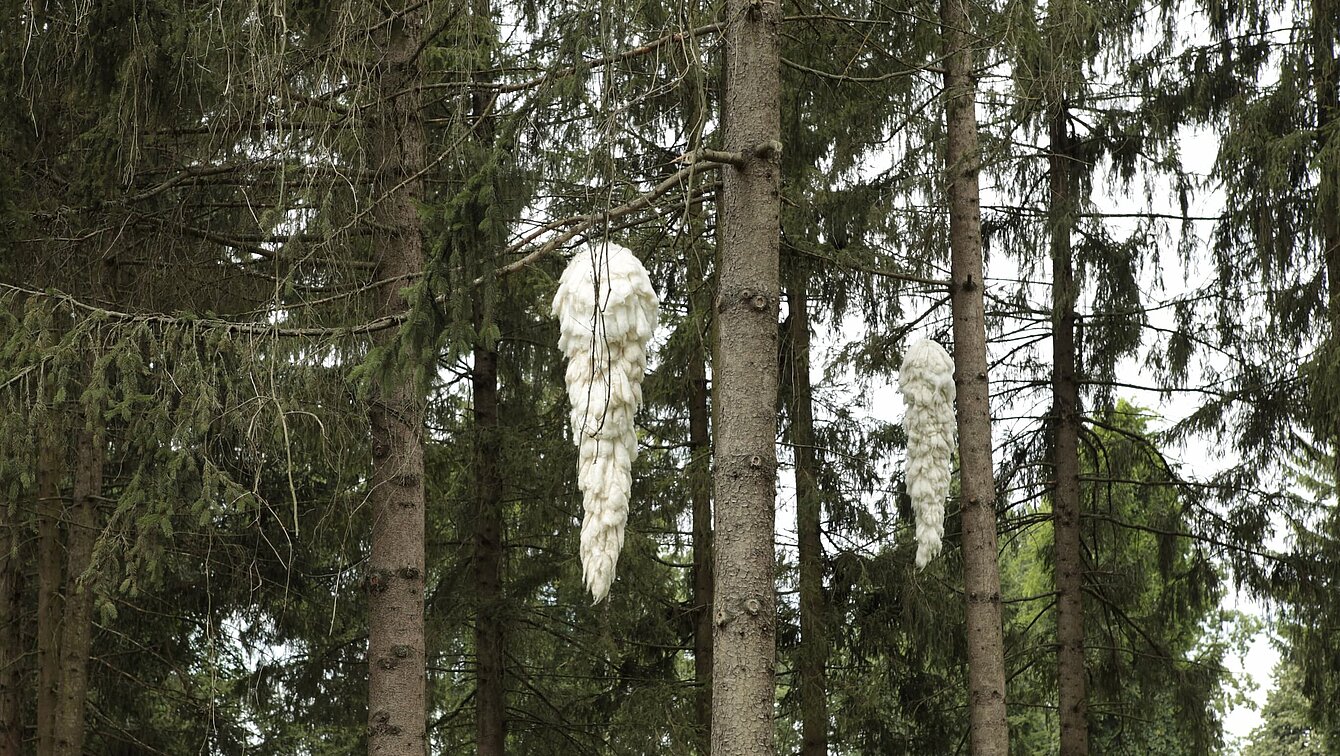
(606, 311)
(927, 382)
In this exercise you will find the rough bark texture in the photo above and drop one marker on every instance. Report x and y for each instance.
(813, 653)
(700, 491)
(11, 648)
(490, 645)
(1326, 83)
(77, 625)
(490, 694)
(396, 682)
(745, 371)
(989, 734)
(49, 571)
(1069, 562)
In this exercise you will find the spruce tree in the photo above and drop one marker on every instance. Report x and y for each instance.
(745, 367)
(981, 575)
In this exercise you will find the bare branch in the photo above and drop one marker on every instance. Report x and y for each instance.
(582, 223)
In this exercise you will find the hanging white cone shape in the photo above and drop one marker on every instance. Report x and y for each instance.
(606, 312)
(927, 382)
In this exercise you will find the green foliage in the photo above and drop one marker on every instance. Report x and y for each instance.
(1288, 726)
(1154, 651)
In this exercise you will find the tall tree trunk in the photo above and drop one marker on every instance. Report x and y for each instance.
(700, 492)
(700, 284)
(50, 510)
(396, 668)
(77, 626)
(989, 732)
(490, 647)
(813, 652)
(1326, 84)
(745, 370)
(11, 648)
(1069, 561)
(490, 695)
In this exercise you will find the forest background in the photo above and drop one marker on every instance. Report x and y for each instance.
(285, 464)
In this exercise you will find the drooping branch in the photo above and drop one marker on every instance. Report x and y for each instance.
(606, 60)
(583, 223)
(236, 327)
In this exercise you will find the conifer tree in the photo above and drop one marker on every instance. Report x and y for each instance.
(745, 368)
(813, 652)
(489, 553)
(11, 637)
(397, 709)
(700, 463)
(1158, 675)
(1273, 94)
(1065, 420)
(83, 528)
(1060, 69)
(49, 570)
(1288, 725)
(981, 574)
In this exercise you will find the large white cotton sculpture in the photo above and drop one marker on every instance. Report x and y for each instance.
(606, 311)
(927, 382)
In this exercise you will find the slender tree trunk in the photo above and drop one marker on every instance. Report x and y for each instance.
(700, 444)
(490, 695)
(1069, 562)
(1326, 84)
(989, 733)
(49, 572)
(11, 648)
(700, 492)
(397, 715)
(745, 371)
(77, 627)
(813, 652)
(490, 646)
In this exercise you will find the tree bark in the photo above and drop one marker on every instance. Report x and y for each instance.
(700, 492)
(490, 693)
(988, 731)
(700, 284)
(490, 646)
(11, 648)
(396, 668)
(1069, 560)
(1326, 84)
(50, 508)
(77, 626)
(812, 657)
(745, 370)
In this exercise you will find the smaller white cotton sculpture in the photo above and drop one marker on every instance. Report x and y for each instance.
(927, 382)
(606, 311)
